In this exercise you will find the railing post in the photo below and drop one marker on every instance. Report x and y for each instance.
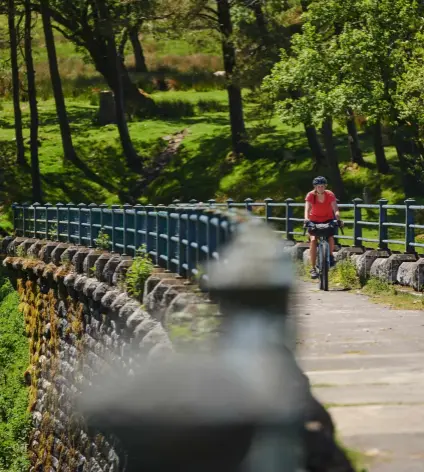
(91, 206)
(212, 202)
(113, 208)
(230, 202)
(24, 210)
(149, 227)
(170, 232)
(182, 227)
(248, 202)
(268, 209)
(59, 207)
(69, 206)
(137, 227)
(80, 207)
(409, 220)
(35, 205)
(160, 229)
(382, 228)
(126, 208)
(47, 206)
(14, 210)
(102, 208)
(357, 217)
(289, 216)
(191, 234)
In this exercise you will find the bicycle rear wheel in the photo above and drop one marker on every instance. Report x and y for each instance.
(323, 266)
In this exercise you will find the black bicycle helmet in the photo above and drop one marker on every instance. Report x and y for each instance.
(319, 181)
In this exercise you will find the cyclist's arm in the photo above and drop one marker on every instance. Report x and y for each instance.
(336, 210)
(308, 208)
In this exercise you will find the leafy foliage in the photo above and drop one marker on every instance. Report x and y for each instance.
(14, 349)
(138, 273)
(103, 240)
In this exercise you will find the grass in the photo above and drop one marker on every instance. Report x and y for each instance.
(278, 165)
(14, 352)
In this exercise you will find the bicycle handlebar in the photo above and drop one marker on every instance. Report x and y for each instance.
(310, 225)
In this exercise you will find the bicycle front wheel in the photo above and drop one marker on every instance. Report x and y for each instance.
(324, 257)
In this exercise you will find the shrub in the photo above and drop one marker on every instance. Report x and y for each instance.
(102, 240)
(345, 275)
(377, 286)
(138, 273)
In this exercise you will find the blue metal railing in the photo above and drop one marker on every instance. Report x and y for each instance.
(180, 237)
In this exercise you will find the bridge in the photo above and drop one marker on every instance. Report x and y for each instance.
(363, 360)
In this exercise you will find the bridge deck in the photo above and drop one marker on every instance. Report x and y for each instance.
(366, 362)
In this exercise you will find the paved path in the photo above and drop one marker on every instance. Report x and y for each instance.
(366, 362)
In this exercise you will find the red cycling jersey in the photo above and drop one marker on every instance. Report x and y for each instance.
(321, 211)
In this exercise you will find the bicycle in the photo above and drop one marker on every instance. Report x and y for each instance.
(323, 231)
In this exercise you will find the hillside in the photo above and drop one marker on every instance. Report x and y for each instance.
(278, 165)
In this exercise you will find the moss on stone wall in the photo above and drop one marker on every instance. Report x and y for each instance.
(14, 416)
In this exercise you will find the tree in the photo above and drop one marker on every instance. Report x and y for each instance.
(216, 16)
(104, 27)
(302, 86)
(238, 129)
(132, 33)
(65, 130)
(20, 149)
(32, 98)
(78, 22)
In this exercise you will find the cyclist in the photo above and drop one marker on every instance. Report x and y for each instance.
(320, 207)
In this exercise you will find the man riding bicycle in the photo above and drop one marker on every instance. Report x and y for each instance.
(320, 207)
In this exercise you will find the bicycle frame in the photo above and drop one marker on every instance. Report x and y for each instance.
(323, 250)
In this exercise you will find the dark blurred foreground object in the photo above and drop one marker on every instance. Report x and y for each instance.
(246, 406)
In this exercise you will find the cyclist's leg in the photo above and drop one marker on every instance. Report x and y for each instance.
(313, 250)
(313, 255)
(331, 244)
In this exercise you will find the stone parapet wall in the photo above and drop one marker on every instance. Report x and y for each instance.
(402, 269)
(82, 324)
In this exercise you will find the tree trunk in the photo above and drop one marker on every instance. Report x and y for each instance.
(408, 153)
(20, 149)
(65, 130)
(32, 98)
(332, 159)
(354, 148)
(106, 65)
(238, 129)
(380, 155)
(130, 153)
(260, 22)
(140, 60)
(314, 144)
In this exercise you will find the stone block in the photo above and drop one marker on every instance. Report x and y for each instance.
(365, 261)
(121, 271)
(68, 254)
(57, 253)
(387, 268)
(78, 259)
(298, 250)
(100, 264)
(412, 274)
(153, 300)
(109, 269)
(46, 251)
(88, 264)
(348, 252)
(306, 257)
